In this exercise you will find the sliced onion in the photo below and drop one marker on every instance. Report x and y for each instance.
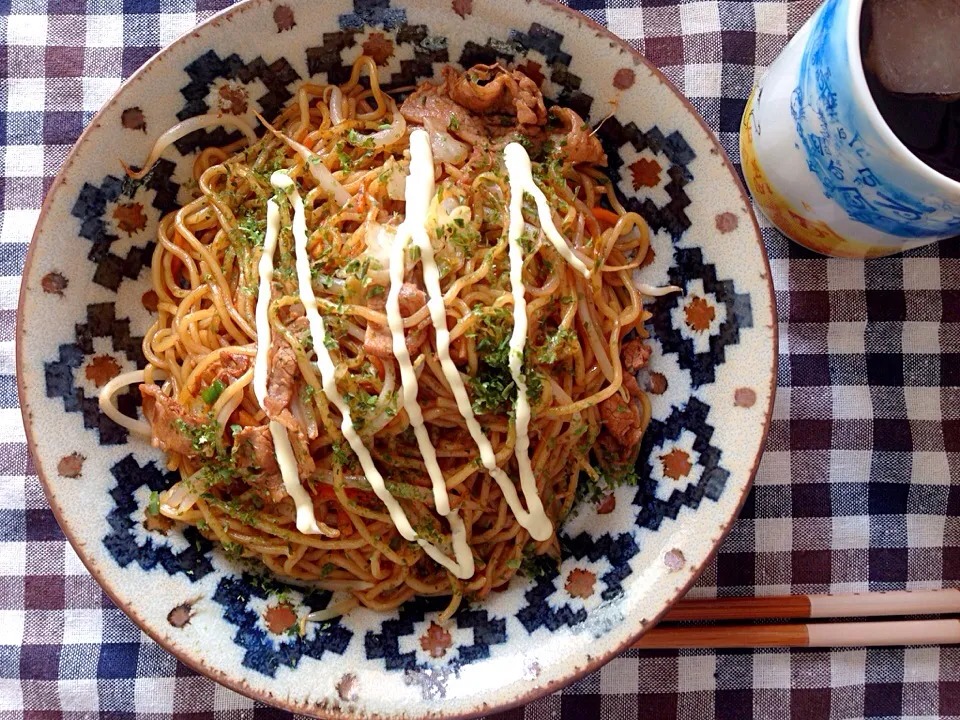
(355, 331)
(445, 147)
(336, 106)
(449, 211)
(180, 498)
(184, 128)
(397, 184)
(305, 419)
(654, 291)
(335, 610)
(379, 241)
(226, 411)
(599, 351)
(107, 407)
(321, 174)
(380, 416)
(392, 134)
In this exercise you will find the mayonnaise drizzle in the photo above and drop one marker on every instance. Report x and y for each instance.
(261, 318)
(535, 521)
(418, 193)
(306, 520)
(463, 568)
(521, 181)
(518, 170)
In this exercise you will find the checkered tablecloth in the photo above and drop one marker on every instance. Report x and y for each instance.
(854, 492)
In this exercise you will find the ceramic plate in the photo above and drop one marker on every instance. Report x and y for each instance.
(86, 304)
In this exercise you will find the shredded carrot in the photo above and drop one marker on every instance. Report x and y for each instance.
(176, 268)
(325, 491)
(363, 203)
(244, 418)
(608, 217)
(344, 524)
(378, 365)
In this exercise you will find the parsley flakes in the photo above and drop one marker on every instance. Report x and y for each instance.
(358, 140)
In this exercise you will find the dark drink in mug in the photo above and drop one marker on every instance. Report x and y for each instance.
(847, 149)
(911, 59)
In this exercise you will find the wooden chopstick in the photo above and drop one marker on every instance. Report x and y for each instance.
(874, 634)
(846, 634)
(870, 604)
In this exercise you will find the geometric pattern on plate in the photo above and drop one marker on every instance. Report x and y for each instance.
(595, 565)
(661, 444)
(684, 323)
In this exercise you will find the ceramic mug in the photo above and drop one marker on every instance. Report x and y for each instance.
(821, 161)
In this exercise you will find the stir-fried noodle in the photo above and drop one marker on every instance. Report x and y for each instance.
(375, 442)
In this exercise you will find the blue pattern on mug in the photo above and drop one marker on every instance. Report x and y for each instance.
(852, 161)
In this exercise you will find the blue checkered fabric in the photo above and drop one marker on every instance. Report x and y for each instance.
(856, 490)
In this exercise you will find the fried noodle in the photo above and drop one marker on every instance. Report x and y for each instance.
(337, 160)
